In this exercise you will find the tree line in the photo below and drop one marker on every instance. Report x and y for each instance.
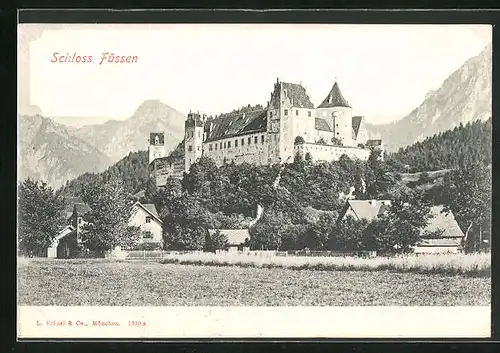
(226, 197)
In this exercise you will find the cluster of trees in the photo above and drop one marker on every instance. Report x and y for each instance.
(461, 146)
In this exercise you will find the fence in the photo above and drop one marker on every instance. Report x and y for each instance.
(160, 254)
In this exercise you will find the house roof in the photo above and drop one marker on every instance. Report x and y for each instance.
(64, 233)
(374, 142)
(321, 124)
(334, 98)
(297, 94)
(150, 209)
(444, 221)
(234, 124)
(367, 209)
(234, 236)
(356, 123)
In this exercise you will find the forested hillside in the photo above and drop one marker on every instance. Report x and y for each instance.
(461, 146)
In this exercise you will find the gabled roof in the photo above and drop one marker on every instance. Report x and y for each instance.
(334, 98)
(356, 123)
(366, 209)
(64, 233)
(444, 221)
(149, 208)
(234, 124)
(297, 94)
(234, 236)
(321, 124)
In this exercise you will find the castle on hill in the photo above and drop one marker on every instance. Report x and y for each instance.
(287, 126)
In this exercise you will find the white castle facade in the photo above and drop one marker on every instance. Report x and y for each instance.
(288, 125)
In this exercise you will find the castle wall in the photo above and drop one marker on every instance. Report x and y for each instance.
(250, 148)
(331, 153)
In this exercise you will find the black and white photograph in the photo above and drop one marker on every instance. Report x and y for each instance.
(254, 177)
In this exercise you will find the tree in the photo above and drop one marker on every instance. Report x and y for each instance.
(216, 241)
(108, 217)
(321, 141)
(336, 141)
(348, 234)
(467, 193)
(400, 228)
(185, 224)
(316, 238)
(40, 214)
(267, 233)
(299, 140)
(308, 158)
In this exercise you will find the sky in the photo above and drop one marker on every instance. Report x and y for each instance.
(384, 71)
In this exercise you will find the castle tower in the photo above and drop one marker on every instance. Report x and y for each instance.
(280, 121)
(156, 147)
(338, 113)
(193, 139)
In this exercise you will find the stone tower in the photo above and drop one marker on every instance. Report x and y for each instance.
(338, 113)
(279, 124)
(193, 139)
(156, 146)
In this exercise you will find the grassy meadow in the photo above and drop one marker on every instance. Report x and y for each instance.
(470, 265)
(138, 283)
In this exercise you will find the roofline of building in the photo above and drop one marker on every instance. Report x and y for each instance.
(148, 211)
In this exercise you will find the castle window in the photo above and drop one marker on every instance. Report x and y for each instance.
(286, 112)
(270, 114)
(262, 138)
(249, 140)
(148, 219)
(215, 146)
(228, 144)
(256, 139)
(198, 148)
(243, 142)
(309, 113)
(221, 145)
(210, 147)
(224, 145)
(297, 112)
(235, 143)
(190, 148)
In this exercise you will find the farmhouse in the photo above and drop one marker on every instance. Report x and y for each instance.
(146, 217)
(67, 242)
(364, 209)
(236, 237)
(451, 238)
(450, 241)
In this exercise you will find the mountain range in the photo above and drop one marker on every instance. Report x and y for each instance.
(56, 153)
(463, 97)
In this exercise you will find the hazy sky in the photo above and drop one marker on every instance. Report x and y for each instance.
(383, 71)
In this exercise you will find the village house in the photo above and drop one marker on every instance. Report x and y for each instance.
(450, 241)
(146, 217)
(66, 242)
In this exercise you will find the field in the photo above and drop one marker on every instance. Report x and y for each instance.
(138, 283)
(473, 265)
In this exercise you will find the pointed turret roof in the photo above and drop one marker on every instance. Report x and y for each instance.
(334, 98)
